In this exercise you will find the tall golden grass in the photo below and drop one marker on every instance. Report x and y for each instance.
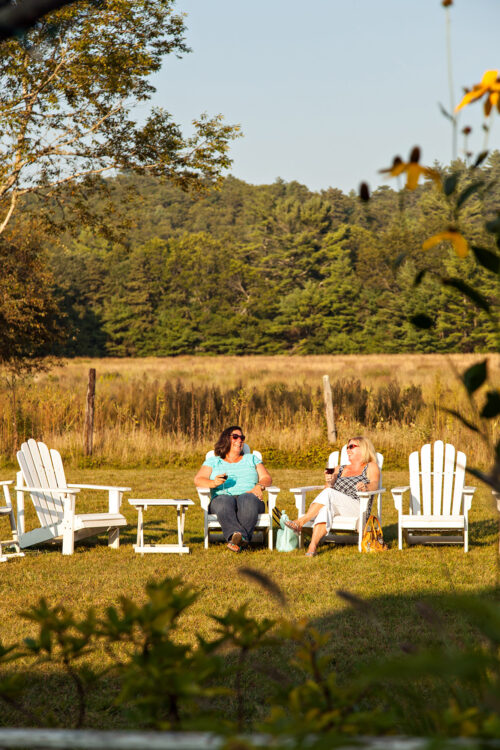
(155, 411)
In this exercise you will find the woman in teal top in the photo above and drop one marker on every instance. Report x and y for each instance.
(236, 481)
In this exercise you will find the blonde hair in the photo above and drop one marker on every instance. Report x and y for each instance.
(366, 448)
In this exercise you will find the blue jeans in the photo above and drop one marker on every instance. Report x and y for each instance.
(237, 513)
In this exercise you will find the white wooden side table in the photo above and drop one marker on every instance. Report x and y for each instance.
(142, 506)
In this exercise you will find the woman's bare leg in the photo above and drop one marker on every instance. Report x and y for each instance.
(319, 531)
(311, 514)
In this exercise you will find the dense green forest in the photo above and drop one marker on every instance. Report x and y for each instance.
(271, 268)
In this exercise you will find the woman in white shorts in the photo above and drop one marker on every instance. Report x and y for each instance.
(340, 498)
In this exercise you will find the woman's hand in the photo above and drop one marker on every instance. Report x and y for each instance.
(202, 479)
(258, 491)
(329, 479)
(363, 486)
(219, 479)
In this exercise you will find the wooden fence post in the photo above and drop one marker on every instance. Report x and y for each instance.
(330, 418)
(88, 438)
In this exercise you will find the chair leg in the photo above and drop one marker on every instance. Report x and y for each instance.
(400, 537)
(114, 538)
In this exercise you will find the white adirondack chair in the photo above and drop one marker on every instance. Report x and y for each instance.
(264, 520)
(7, 511)
(42, 476)
(353, 524)
(439, 501)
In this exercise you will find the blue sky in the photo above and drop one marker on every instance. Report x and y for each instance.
(328, 91)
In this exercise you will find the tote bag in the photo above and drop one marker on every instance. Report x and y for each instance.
(286, 539)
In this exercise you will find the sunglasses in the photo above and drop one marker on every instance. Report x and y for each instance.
(352, 446)
(236, 436)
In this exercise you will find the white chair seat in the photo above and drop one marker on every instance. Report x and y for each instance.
(99, 520)
(263, 521)
(339, 523)
(429, 522)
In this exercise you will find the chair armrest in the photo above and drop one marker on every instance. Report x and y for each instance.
(364, 496)
(300, 496)
(52, 490)
(273, 493)
(397, 494)
(99, 487)
(467, 493)
(307, 489)
(204, 496)
(7, 481)
(496, 497)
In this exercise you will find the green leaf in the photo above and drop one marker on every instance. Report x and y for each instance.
(462, 419)
(470, 190)
(419, 277)
(492, 406)
(399, 260)
(481, 157)
(422, 321)
(450, 184)
(469, 292)
(487, 259)
(474, 376)
(494, 225)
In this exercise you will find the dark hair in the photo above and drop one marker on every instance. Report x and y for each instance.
(223, 444)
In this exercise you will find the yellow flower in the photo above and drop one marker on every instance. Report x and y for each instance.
(490, 85)
(451, 235)
(413, 170)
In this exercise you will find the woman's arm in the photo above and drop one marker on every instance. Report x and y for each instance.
(264, 481)
(202, 479)
(373, 476)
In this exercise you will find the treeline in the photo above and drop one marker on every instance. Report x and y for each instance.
(271, 268)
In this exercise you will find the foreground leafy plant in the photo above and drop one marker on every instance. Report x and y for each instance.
(169, 685)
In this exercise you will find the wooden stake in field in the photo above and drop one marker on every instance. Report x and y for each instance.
(88, 438)
(330, 418)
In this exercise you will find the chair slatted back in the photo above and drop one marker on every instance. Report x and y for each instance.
(333, 460)
(449, 467)
(43, 468)
(437, 477)
(246, 449)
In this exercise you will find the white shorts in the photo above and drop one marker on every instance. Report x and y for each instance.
(335, 503)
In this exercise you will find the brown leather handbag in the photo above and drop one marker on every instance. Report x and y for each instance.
(373, 539)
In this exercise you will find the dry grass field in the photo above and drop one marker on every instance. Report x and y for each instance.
(169, 410)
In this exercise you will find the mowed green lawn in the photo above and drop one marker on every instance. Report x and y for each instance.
(393, 582)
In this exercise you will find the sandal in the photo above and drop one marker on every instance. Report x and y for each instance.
(235, 541)
(294, 526)
(311, 554)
